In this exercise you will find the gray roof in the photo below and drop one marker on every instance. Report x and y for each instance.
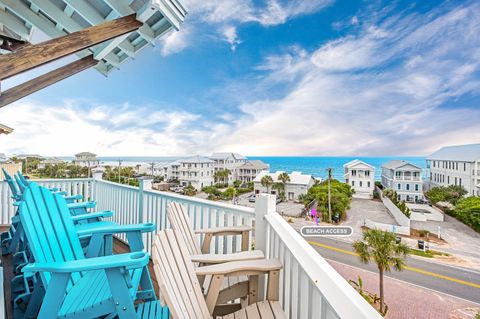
(86, 154)
(395, 164)
(225, 155)
(356, 162)
(196, 159)
(467, 153)
(254, 164)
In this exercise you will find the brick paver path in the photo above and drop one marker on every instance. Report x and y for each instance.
(407, 301)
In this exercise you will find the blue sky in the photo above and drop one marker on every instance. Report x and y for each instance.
(274, 78)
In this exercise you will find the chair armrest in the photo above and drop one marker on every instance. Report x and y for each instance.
(17, 203)
(90, 204)
(55, 190)
(252, 267)
(115, 229)
(102, 214)
(129, 261)
(221, 231)
(74, 197)
(223, 258)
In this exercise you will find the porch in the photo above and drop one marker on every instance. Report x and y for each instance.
(309, 286)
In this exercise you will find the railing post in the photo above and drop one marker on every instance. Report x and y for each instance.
(97, 175)
(264, 204)
(144, 183)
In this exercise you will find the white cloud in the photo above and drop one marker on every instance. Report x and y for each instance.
(231, 37)
(225, 16)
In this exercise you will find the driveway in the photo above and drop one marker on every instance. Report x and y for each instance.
(360, 209)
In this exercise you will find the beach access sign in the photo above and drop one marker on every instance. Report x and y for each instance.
(310, 231)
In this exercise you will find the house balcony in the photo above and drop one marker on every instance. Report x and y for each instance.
(309, 286)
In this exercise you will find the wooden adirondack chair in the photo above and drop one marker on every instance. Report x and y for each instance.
(180, 221)
(180, 289)
(75, 286)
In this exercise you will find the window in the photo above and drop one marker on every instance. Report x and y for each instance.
(399, 186)
(416, 197)
(456, 166)
(455, 181)
(353, 183)
(354, 172)
(361, 183)
(417, 187)
(464, 167)
(367, 173)
(448, 179)
(460, 181)
(368, 184)
(407, 187)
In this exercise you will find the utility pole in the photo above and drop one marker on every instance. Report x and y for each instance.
(152, 168)
(329, 170)
(119, 165)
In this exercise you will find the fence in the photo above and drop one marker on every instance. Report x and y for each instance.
(83, 186)
(402, 230)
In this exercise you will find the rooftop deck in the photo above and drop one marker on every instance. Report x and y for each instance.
(309, 286)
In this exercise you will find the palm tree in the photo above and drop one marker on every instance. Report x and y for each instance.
(267, 181)
(284, 178)
(381, 247)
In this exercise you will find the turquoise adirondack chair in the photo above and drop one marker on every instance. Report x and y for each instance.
(79, 287)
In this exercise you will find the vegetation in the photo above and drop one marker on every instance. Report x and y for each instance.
(379, 184)
(341, 196)
(372, 299)
(189, 190)
(126, 176)
(428, 253)
(221, 176)
(392, 195)
(381, 248)
(467, 211)
(215, 194)
(267, 181)
(451, 194)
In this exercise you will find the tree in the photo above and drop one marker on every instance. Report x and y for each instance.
(189, 190)
(381, 247)
(451, 194)
(284, 178)
(267, 181)
(341, 195)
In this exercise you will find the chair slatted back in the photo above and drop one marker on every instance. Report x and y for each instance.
(23, 179)
(180, 221)
(49, 228)
(20, 184)
(179, 285)
(11, 184)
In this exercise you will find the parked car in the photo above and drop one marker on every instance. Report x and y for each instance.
(252, 198)
(422, 201)
(279, 200)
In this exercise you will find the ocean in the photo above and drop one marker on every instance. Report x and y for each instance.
(314, 165)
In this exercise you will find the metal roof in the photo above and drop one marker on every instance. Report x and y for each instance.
(467, 153)
(254, 164)
(296, 178)
(396, 164)
(196, 159)
(55, 18)
(357, 162)
(226, 155)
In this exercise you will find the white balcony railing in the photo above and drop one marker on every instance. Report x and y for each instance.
(309, 286)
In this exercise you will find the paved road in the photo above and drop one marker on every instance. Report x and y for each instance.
(458, 282)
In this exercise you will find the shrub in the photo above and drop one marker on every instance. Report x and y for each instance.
(341, 195)
(237, 183)
(467, 210)
(392, 195)
(379, 184)
(451, 194)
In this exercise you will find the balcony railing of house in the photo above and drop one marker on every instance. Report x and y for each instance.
(309, 286)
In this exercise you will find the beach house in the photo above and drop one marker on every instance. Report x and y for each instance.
(299, 184)
(455, 165)
(49, 161)
(249, 170)
(230, 161)
(405, 178)
(361, 177)
(86, 159)
(171, 171)
(196, 171)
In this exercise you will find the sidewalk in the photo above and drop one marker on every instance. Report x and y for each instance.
(407, 301)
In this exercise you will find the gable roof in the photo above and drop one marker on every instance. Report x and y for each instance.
(396, 164)
(86, 154)
(467, 153)
(358, 162)
(196, 159)
(254, 164)
(225, 155)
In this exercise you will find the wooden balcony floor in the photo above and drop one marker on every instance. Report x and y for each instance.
(119, 247)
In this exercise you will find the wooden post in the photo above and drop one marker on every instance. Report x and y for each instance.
(36, 55)
(43, 81)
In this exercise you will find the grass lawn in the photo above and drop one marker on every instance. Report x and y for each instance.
(428, 253)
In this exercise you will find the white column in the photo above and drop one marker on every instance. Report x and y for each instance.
(264, 204)
(97, 174)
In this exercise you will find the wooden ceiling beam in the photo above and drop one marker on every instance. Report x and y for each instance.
(51, 50)
(43, 81)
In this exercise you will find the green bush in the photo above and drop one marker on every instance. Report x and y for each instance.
(392, 195)
(237, 183)
(451, 194)
(467, 210)
(379, 184)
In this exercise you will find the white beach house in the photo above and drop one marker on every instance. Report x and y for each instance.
(86, 159)
(230, 161)
(196, 171)
(249, 170)
(455, 165)
(361, 177)
(405, 178)
(299, 184)
(171, 171)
